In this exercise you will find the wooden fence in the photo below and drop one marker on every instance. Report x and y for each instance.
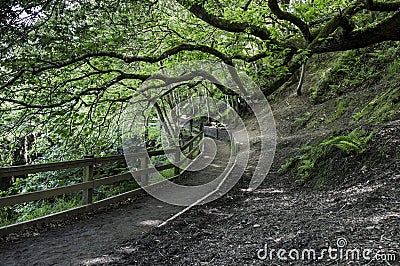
(88, 183)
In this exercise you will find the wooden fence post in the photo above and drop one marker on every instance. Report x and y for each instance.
(144, 164)
(177, 159)
(190, 151)
(87, 194)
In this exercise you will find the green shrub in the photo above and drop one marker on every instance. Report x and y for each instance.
(32, 210)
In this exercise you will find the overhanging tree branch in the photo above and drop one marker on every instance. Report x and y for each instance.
(387, 30)
(333, 24)
(226, 25)
(124, 58)
(280, 14)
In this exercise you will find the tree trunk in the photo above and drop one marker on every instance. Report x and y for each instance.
(301, 81)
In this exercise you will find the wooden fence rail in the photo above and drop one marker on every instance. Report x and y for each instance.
(88, 183)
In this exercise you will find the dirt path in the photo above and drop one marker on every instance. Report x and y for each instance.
(84, 242)
(86, 239)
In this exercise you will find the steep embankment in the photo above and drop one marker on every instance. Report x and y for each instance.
(280, 215)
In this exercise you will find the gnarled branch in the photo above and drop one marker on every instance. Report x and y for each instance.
(387, 30)
(124, 58)
(230, 26)
(280, 14)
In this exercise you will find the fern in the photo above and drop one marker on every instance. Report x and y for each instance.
(311, 156)
(348, 147)
(355, 141)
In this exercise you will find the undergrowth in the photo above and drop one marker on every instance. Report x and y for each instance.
(383, 107)
(314, 163)
(354, 69)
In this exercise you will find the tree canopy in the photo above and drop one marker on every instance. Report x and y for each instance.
(69, 67)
